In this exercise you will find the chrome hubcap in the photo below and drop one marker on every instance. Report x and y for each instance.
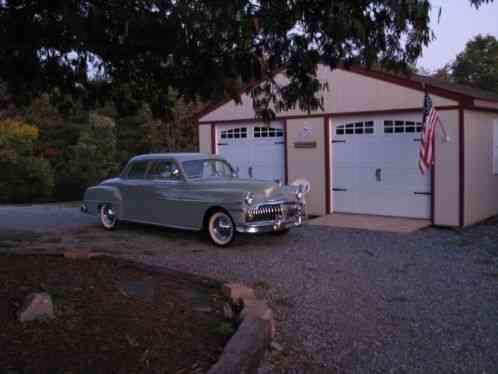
(222, 228)
(108, 216)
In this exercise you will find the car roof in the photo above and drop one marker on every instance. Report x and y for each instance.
(180, 156)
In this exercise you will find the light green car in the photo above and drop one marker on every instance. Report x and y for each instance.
(194, 191)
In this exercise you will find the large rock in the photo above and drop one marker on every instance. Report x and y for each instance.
(36, 306)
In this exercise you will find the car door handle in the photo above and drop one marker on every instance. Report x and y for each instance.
(378, 175)
(249, 171)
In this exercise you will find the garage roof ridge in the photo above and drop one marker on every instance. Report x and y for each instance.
(439, 87)
(463, 94)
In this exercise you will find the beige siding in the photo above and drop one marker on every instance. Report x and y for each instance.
(308, 163)
(447, 173)
(481, 183)
(348, 92)
(205, 138)
(486, 104)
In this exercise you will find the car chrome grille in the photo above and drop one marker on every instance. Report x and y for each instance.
(271, 212)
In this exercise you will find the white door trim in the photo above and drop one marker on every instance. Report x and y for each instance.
(378, 119)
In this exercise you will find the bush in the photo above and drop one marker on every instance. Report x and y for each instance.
(24, 177)
(16, 138)
(91, 160)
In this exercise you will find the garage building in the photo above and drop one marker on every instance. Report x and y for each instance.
(361, 153)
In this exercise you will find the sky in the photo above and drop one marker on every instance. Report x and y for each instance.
(458, 24)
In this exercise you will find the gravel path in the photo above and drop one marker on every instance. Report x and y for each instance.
(370, 302)
(348, 300)
(43, 217)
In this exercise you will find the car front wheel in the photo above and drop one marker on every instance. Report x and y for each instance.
(221, 228)
(108, 217)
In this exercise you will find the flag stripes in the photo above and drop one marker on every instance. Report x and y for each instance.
(430, 121)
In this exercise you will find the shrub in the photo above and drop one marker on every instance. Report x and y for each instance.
(25, 179)
(16, 137)
(91, 160)
(24, 176)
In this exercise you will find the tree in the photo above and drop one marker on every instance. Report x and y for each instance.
(477, 65)
(90, 160)
(444, 73)
(202, 49)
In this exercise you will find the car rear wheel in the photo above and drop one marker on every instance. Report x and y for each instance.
(221, 228)
(108, 217)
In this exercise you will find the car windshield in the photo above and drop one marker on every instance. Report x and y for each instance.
(208, 168)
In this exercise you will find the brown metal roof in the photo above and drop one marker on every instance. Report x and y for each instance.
(457, 88)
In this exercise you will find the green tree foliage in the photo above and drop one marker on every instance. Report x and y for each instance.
(201, 49)
(445, 73)
(90, 160)
(478, 64)
(56, 131)
(24, 176)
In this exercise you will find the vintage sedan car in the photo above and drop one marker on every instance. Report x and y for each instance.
(194, 191)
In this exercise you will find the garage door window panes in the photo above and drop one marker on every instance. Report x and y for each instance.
(268, 132)
(357, 128)
(402, 127)
(235, 133)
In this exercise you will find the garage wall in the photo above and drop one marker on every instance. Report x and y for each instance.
(308, 163)
(348, 92)
(447, 173)
(205, 138)
(486, 104)
(481, 184)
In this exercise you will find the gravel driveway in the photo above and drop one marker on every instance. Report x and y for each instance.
(348, 300)
(43, 217)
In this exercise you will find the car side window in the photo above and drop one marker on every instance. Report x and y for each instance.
(137, 170)
(165, 170)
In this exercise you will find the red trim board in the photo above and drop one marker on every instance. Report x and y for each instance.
(327, 140)
(213, 139)
(461, 128)
(286, 156)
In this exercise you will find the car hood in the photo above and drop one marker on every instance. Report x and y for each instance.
(263, 189)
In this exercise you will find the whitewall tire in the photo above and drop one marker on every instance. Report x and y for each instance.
(108, 217)
(221, 229)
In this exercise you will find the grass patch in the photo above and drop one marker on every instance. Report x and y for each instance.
(225, 329)
(263, 285)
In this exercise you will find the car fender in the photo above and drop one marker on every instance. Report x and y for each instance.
(98, 195)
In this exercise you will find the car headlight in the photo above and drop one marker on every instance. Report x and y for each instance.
(299, 195)
(249, 198)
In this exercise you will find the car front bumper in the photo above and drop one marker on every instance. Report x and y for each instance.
(270, 226)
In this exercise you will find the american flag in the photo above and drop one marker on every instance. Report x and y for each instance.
(430, 122)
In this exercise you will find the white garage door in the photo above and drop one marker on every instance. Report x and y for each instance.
(375, 167)
(258, 150)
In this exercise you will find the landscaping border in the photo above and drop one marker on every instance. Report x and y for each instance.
(246, 349)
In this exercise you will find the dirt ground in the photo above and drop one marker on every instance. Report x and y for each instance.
(110, 316)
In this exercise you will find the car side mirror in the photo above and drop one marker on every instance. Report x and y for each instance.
(175, 174)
